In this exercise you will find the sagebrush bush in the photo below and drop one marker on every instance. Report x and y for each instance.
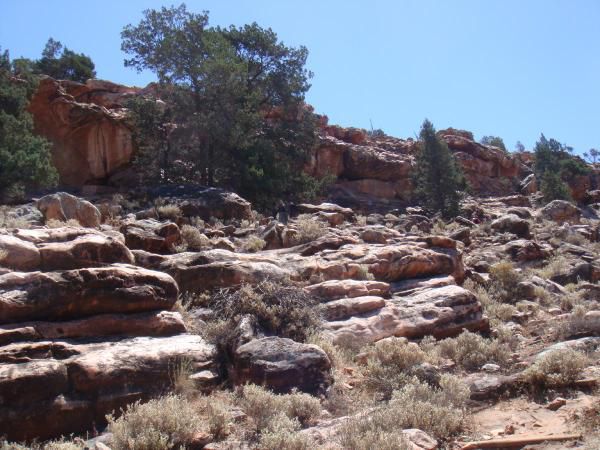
(282, 434)
(441, 412)
(504, 279)
(389, 365)
(54, 223)
(169, 212)
(471, 351)
(262, 406)
(193, 238)
(556, 265)
(253, 244)
(162, 423)
(555, 368)
(278, 308)
(308, 229)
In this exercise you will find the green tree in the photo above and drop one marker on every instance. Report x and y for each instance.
(236, 97)
(494, 141)
(24, 157)
(437, 179)
(555, 166)
(63, 64)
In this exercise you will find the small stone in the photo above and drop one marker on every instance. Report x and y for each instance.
(556, 404)
(509, 429)
(555, 311)
(491, 368)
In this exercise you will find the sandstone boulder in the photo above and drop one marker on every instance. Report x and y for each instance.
(511, 223)
(151, 235)
(281, 365)
(561, 211)
(62, 206)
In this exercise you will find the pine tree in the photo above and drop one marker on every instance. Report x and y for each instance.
(438, 180)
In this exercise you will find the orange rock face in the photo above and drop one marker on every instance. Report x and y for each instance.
(86, 125)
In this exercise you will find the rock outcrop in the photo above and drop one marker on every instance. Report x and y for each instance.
(86, 125)
(62, 206)
(82, 334)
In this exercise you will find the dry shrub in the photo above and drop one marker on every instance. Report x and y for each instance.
(253, 244)
(179, 373)
(7, 220)
(169, 212)
(365, 435)
(556, 265)
(308, 229)
(497, 311)
(278, 308)
(361, 220)
(471, 351)
(54, 223)
(389, 365)
(184, 307)
(281, 433)
(441, 412)
(162, 423)
(503, 282)
(555, 368)
(262, 406)
(218, 415)
(193, 238)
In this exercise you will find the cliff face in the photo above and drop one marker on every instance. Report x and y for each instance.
(86, 125)
(92, 141)
(377, 170)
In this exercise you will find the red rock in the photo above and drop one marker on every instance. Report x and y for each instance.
(62, 206)
(90, 142)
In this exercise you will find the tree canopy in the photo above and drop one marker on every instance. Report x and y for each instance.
(24, 157)
(437, 179)
(235, 105)
(494, 141)
(63, 64)
(554, 164)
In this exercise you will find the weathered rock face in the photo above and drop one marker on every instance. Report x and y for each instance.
(78, 344)
(282, 365)
(151, 235)
(57, 387)
(511, 223)
(62, 206)
(86, 125)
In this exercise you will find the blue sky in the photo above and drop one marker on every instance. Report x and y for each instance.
(512, 68)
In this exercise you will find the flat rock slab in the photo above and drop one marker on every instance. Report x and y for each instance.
(44, 398)
(120, 288)
(440, 312)
(161, 323)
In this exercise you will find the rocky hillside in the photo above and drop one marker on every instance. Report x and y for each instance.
(335, 330)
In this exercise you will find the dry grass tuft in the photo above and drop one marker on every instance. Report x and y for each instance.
(193, 239)
(557, 368)
(308, 229)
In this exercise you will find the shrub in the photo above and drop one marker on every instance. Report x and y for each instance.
(262, 406)
(162, 423)
(278, 308)
(438, 411)
(193, 238)
(253, 244)
(471, 351)
(555, 368)
(555, 266)
(366, 435)
(7, 220)
(308, 229)
(54, 223)
(503, 282)
(389, 364)
(169, 212)
(281, 433)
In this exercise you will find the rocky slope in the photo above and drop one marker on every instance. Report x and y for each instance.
(90, 319)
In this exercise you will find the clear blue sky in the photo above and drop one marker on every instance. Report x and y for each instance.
(512, 68)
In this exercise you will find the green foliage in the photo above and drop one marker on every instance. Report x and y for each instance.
(494, 141)
(236, 116)
(24, 157)
(63, 64)
(438, 180)
(554, 166)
